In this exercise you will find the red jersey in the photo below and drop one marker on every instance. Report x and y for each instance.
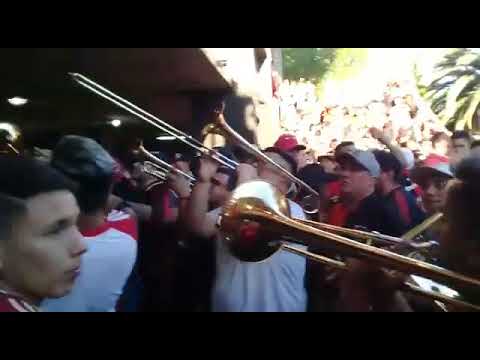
(12, 303)
(337, 213)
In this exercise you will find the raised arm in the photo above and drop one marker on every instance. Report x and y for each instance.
(197, 218)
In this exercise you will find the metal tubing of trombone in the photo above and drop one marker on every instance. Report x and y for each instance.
(356, 249)
(369, 236)
(151, 119)
(13, 148)
(410, 288)
(260, 202)
(239, 140)
(359, 234)
(417, 230)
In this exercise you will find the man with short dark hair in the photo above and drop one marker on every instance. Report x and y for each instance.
(328, 164)
(40, 245)
(400, 203)
(344, 147)
(111, 238)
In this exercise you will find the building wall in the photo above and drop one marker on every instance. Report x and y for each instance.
(252, 79)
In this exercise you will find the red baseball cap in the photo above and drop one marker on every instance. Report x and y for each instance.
(288, 143)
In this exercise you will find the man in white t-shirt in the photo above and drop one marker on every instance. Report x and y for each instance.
(276, 284)
(111, 240)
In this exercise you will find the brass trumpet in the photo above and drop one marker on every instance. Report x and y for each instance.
(160, 164)
(260, 203)
(151, 169)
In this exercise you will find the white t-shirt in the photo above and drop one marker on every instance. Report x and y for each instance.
(276, 284)
(106, 266)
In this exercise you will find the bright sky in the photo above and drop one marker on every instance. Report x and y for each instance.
(383, 64)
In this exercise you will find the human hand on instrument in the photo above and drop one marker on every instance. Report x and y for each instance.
(246, 172)
(180, 184)
(208, 168)
(365, 287)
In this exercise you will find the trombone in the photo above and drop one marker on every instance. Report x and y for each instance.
(259, 202)
(406, 241)
(152, 120)
(220, 127)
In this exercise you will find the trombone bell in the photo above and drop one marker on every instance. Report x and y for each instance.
(246, 239)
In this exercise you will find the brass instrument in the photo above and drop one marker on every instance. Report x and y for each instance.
(220, 127)
(152, 120)
(9, 135)
(309, 204)
(258, 202)
(372, 238)
(161, 165)
(413, 233)
(151, 169)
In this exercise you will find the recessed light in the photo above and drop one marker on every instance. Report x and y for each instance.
(116, 123)
(17, 101)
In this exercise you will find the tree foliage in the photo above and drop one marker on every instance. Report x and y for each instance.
(321, 64)
(455, 91)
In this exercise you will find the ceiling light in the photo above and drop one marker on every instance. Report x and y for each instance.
(17, 101)
(116, 123)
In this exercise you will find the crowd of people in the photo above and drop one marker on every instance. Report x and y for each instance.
(401, 113)
(81, 231)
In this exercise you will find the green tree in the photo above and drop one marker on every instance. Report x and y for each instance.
(455, 91)
(320, 64)
(307, 63)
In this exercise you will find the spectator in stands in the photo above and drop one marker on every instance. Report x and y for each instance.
(360, 207)
(461, 144)
(328, 164)
(400, 203)
(289, 144)
(433, 179)
(441, 149)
